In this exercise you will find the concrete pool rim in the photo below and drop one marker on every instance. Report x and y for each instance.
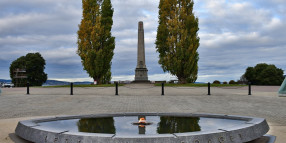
(252, 129)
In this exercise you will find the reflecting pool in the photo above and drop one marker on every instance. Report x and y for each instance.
(123, 125)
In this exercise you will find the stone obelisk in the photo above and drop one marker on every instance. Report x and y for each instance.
(141, 70)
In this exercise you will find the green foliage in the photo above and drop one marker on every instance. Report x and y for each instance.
(232, 82)
(264, 74)
(193, 77)
(242, 80)
(178, 125)
(34, 64)
(177, 39)
(95, 42)
(250, 75)
(216, 82)
(97, 125)
(106, 78)
(224, 82)
(19, 63)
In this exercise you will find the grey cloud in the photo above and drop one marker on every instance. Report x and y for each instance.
(222, 16)
(40, 24)
(127, 14)
(16, 6)
(14, 47)
(62, 56)
(234, 35)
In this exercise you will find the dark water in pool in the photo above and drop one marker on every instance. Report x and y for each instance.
(124, 126)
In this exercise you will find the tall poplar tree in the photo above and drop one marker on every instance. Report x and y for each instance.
(177, 39)
(95, 42)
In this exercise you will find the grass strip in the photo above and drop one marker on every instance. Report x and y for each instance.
(82, 85)
(198, 85)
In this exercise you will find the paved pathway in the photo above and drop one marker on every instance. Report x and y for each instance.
(264, 102)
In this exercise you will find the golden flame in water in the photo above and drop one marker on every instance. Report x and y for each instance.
(142, 120)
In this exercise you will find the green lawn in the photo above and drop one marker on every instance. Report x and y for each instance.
(198, 85)
(157, 84)
(83, 85)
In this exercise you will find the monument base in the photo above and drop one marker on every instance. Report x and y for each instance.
(141, 81)
(141, 75)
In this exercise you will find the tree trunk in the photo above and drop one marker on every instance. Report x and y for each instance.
(182, 80)
(98, 80)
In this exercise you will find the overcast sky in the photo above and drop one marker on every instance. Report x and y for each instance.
(235, 34)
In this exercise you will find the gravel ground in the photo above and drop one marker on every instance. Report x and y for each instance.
(264, 102)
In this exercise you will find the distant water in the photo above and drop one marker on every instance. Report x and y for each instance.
(55, 82)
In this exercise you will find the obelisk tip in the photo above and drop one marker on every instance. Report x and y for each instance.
(140, 25)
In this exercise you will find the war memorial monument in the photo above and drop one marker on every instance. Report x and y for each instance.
(187, 113)
(151, 128)
(141, 71)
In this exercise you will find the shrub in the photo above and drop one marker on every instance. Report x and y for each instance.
(264, 74)
(232, 82)
(224, 82)
(34, 65)
(242, 80)
(216, 82)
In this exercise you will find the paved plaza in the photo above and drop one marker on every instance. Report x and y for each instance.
(15, 105)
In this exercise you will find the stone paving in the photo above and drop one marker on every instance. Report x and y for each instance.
(264, 102)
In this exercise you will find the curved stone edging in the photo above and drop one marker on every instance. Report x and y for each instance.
(252, 129)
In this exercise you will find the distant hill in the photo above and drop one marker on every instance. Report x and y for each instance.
(56, 82)
(51, 82)
(4, 81)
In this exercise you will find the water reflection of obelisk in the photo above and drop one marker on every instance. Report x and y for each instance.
(141, 128)
(141, 70)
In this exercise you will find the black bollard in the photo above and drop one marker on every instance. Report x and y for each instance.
(162, 88)
(209, 88)
(71, 88)
(28, 88)
(116, 88)
(249, 88)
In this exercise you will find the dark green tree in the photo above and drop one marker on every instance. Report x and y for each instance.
(232, 82)
(97, 125)
(178, 125)
(19, 63)
(34, 64)
(177, 39)
(250, 75)
(242, 80)
(95, 42)
(264, 74)
(216, 82)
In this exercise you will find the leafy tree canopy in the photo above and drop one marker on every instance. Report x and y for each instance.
(97, 125)
(177, 39)
(264, 74)
(34, 64)
(95, 42)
